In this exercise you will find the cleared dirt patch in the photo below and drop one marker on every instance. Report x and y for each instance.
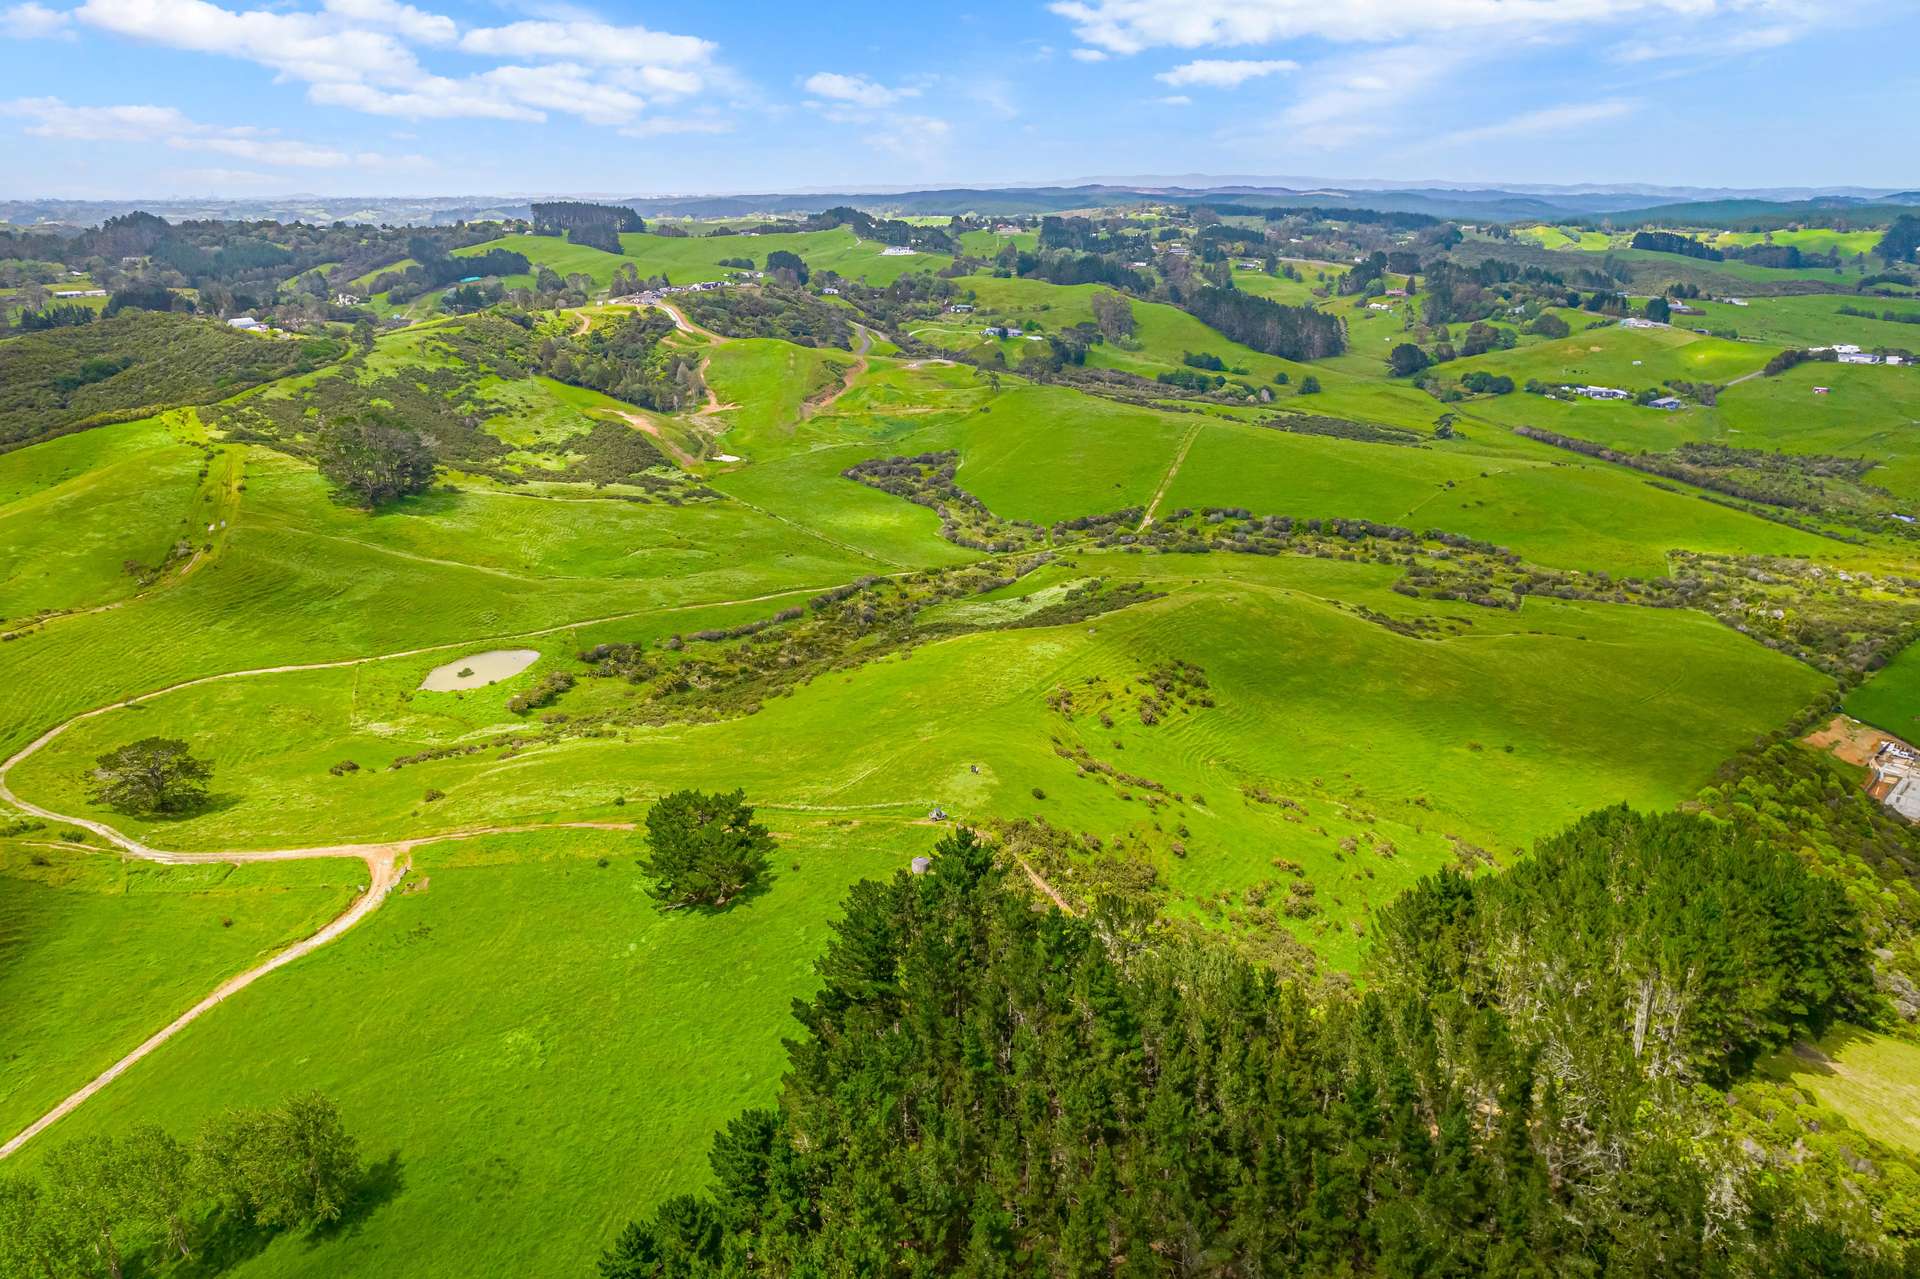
(1849, 739)
(479, 670)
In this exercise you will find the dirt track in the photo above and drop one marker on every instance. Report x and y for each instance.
(386, 861)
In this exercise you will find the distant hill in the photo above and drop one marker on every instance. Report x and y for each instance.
(1625, 205)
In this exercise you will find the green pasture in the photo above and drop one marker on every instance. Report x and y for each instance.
(1809, 320)
(553, 253)
(1871, 1079)
(76, 510)
(1575, 691)
(529, 1052)
(1812, 239)
(97, 953)
(1628, 358)
(1551, 507)
(1890, 698)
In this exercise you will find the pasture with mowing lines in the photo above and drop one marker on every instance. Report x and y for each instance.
(691, 259)
(76, 924)
(1871, 1079)
(76, 511)
(530, 1052)
(524, 1047)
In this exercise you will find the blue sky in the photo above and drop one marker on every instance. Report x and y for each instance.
(123, 98)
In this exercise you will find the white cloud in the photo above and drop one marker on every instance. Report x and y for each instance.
(359, 55)
(567, 89)
(1694, 46)
(919, 139)
(436, 99)
(1175, 100)
(660, 126)
(303, 46)
(854, 90)
(1223, 73)
(403, 20)
(590, 42)
(1084, 54)
(173, 128)
(1348, 99)
(34, 22)
(1545, 122)
(1130, 26)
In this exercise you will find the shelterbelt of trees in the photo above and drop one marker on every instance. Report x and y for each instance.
(985, 1088)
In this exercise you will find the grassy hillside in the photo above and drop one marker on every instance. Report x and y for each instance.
(1021, 618)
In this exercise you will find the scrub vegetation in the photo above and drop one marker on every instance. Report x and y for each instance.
(1159, 739)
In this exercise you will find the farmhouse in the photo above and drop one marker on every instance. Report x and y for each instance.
(79, 293)
(1895, 771)
(1601, 392)
(1667, 402)
(1640, 322)
(1858, 357)
(246, 323)
(960, 308)
(896, 251)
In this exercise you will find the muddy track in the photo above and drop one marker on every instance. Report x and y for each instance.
(854, 372)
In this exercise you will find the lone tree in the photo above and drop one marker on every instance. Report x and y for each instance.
(289, 1166)
(707, 849)
(1406, 360)
(152, 776)
(374, 464)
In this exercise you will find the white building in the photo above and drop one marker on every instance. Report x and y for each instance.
(1602, 392)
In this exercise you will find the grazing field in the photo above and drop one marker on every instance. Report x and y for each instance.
(1871, 1079)
(1891, 699)
(479, 1029)
(462, 599)
(1814, 320)
(96, 953)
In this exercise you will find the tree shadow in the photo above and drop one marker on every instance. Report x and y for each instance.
(435, 501)
(1810, 1058)
(223, 1241)
(379, 1185)
(215, 802)
(229, 1239)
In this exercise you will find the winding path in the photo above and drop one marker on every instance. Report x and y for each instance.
(852, 375)
(387, 861)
